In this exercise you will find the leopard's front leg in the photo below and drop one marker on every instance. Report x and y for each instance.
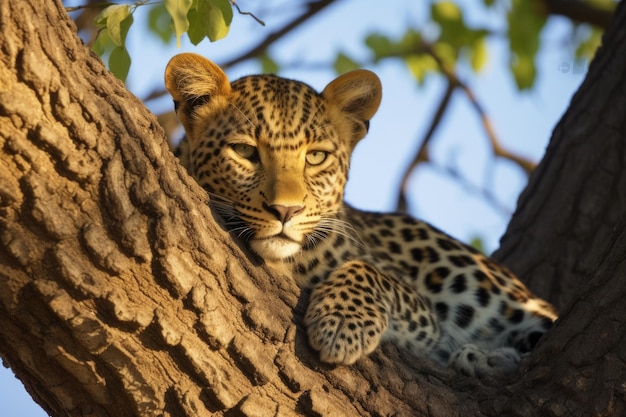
(357, 305)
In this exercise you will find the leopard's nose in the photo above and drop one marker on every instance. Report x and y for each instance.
(283, 213)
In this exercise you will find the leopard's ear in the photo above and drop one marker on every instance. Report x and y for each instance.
(193, 80)
(357, 92)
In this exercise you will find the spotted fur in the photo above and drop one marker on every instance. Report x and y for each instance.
(274, 156)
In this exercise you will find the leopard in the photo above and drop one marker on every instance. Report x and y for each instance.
(274, 154)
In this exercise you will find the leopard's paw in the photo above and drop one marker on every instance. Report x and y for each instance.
(342, 330)
(470, 360)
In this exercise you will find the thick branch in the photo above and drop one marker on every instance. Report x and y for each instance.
(119, 295)
(576, 196)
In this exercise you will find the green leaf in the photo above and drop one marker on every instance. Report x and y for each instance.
(383, 47)
(119, 62)
(99, 46)
(117, 20)
(178, 10)
(447, 54)
(478, 244)
(478, 54)
(210, 18)
(524, 71)
(124, 27)
(197, 25)
(225, 8)
(101, 19)
(587, 47)
(380, 45)
(526, 20)
(461, 40)
(343, 63)
(420, 65)
(444, 11)
(220, 17)
(159, 22)
(268, 65)
(410, 42)
(450, 20)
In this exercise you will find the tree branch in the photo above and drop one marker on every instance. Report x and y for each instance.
(469, 187)
(527, 165)
(312, 9)
(422, 153)
(234, 3)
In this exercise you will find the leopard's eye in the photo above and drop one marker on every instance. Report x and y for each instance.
(244, 150)
(316, 157)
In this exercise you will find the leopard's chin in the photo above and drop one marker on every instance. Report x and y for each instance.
(275, 248)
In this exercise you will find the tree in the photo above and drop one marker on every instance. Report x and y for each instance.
(120, 296)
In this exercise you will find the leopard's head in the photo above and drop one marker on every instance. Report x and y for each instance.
(273, 153)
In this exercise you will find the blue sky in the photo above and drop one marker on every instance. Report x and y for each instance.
(522, 121)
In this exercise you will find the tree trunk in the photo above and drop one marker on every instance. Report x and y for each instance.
(119, 295)
(576, 197)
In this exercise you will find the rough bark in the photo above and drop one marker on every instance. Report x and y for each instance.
(576, 197)
(119, 296)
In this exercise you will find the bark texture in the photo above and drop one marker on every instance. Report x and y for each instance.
(576, 197)
(119, 296)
